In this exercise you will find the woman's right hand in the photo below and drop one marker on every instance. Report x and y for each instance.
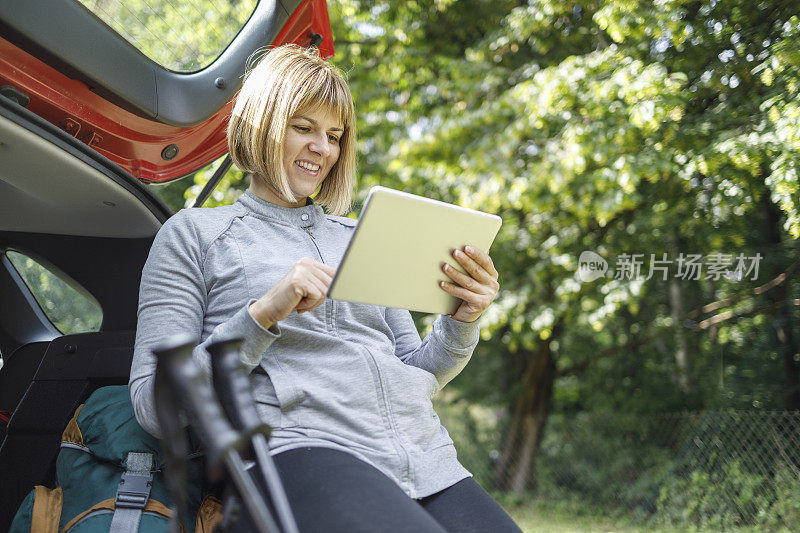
(303, 288)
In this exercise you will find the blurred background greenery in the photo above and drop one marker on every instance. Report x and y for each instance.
(616, 127)
(664, 128)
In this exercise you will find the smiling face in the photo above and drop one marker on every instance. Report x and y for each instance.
(310, 149)
(292, 128)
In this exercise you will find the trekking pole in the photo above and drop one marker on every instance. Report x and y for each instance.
(221, 441)
(236, 397)
(173, 443)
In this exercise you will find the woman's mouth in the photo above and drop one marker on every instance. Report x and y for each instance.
(308, 168)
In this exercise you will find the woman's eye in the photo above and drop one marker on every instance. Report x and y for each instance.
(333, 139)
(303, 129)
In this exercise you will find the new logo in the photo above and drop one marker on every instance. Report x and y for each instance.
(591, 266)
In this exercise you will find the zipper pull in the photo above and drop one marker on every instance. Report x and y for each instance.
(308, 230)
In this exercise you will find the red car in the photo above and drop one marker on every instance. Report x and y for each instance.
(87, 120)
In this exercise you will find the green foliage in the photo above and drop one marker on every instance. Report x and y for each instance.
(617, 127)
(728, 499)
(175, 193)
(182, 193)
(604, 459)
(232, 185)
(785, 509)
(68, 306)
(613, 126)
(183, 36)
(731, 469)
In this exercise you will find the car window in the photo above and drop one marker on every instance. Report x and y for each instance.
(70, 310)
(180, 36)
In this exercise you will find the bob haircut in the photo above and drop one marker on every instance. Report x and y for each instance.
(288, 80)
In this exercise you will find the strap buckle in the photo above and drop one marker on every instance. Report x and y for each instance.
(134, 490)
(134, 486)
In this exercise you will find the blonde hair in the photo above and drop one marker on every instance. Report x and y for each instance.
(287, 80)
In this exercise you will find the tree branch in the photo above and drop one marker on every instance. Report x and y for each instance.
(757, 291)
(727, 315)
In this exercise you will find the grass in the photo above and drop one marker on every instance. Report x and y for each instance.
(538, 516)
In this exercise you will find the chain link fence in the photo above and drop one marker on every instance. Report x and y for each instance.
(708, 470)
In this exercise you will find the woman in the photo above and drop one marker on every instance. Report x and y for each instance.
(345, 386)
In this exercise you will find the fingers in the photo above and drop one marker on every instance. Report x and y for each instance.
(314, 295)
(463, 280)
(303, 288)
(478, 264)
(329, 270)
(455, 290)
(312, 280)
(477, 288)
(483, 259)
(477, 301)
(322, 276)
(320, 270)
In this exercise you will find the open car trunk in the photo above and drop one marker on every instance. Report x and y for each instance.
(79, 137)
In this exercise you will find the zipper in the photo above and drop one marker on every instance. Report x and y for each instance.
(390, 417)
(388, 414)
(319, 252)
(329, 305)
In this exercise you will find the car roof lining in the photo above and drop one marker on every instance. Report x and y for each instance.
(47, 189)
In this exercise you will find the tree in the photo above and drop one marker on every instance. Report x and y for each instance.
(620, 127)
(617, 127)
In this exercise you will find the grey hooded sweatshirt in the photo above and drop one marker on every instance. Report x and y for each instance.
(348, 376)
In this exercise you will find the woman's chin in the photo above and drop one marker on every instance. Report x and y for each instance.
(304, 191)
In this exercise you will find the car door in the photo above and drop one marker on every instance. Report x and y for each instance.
(98, 98)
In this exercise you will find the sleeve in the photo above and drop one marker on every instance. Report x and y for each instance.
(172, 300)
(444, 352)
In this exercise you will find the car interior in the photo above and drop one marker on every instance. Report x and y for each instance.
(82, 209)
(85, 220)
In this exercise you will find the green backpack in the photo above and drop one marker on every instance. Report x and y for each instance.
(110, 472)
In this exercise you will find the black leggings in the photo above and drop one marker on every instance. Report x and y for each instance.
(332, 491)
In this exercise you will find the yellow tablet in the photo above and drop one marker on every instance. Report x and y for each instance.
(394, 258)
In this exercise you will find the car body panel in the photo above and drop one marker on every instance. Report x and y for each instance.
(157, 124)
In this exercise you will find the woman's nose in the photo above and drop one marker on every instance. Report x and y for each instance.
(321, 146)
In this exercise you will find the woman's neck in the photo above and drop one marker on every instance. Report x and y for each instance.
(267, 192)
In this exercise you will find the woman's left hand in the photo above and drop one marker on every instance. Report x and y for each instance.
(477, 288)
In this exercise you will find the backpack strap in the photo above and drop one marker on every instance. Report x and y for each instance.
(72, 433)
(153, 506)
(132, 493)
(209, 515)
(46, 509)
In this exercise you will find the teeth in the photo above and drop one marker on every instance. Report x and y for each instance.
(308, 166)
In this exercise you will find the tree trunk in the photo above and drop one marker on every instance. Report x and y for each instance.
(676, 311)
(514, 471)
(782, 320)
(681, 348)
